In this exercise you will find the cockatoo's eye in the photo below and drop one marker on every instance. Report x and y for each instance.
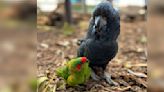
(78, 67)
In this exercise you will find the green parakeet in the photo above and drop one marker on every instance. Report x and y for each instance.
(76, 71)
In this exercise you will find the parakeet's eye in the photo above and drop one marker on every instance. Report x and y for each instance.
(78, 66)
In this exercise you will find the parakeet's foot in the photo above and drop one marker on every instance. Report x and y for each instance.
(107, 76)
(94, 76)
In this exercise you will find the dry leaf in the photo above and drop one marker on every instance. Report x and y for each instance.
(138, 74)
(46, 46)
(63, 43)
(130, 65)
(41, 80)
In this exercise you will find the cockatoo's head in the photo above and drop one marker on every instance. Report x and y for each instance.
(105, 21)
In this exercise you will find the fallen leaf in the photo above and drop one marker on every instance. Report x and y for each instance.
(138, 74)
(46, 46)
(54, 88)
(143, 39)
(123, 89)
(42, 83)
(130, 65)
(63, 43)
(41, 80)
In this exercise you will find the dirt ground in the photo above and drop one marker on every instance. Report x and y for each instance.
(128, 68)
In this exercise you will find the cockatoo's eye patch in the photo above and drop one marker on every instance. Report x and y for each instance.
(78, 66)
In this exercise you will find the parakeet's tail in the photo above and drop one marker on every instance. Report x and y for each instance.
(62, 72)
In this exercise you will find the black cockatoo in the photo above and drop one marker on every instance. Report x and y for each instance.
(100, 44)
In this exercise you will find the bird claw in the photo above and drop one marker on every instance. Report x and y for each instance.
(94, 76)
(107, 76)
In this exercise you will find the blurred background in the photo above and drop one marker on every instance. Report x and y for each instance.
(18, 40)
(70, 11)
(155, 46)
(55, 26)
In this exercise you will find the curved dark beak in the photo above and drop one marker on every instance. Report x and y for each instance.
(97, 23)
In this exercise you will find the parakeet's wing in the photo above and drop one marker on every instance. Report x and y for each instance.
(71, 81)
(63, 72)
(75, 79)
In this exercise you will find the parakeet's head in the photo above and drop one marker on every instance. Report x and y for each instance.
(77, 63)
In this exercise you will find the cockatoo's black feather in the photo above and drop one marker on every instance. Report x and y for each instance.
(100, 44)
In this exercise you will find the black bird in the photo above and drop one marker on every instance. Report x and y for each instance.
(100, 44)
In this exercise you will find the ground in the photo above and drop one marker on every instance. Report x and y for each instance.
(128, 68)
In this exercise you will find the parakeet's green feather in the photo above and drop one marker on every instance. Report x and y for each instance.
(63, 72)
(73, 76)
(72, 63)
(87, 71)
